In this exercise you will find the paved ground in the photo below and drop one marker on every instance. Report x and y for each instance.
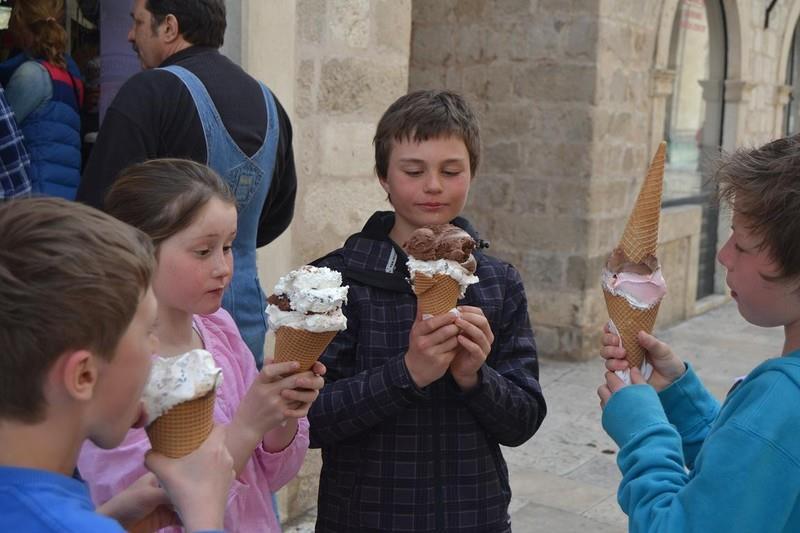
(565, 478)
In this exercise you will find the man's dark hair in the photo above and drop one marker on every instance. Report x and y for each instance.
(200, 22)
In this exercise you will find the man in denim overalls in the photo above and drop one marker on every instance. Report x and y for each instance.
(193, 102)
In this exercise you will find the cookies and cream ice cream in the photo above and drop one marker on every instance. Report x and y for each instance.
(310, 299)
(305, 312)
(174, 380)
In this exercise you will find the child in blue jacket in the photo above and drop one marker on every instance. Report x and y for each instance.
(689, 464)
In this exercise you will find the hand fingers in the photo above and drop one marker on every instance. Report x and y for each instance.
(472, 347)
(636, 377)
(439, 336)
(307, 380)
(319, 369)
(613, 382)
(303, 396)
(274, 371)
(610, 339)
(654, 347)
(432, 324)
(469, 309)
(615, 365)
(607, 327)
(479, 323)
(604, 393)
(613, 352)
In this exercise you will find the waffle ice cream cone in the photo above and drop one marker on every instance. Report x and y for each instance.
(641, 233)
(436, 295)
(633, 285)
(302, 346)
(179, 402)
(629, 321)
(182, 429)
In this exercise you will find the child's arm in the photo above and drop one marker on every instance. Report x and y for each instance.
(266, 405)
(352, 402)
(741, 481)
(198, 483)
(688, 405)
(507, 399)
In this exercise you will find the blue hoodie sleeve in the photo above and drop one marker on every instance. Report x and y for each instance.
(742, 480)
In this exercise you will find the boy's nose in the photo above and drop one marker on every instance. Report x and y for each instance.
(433, 183)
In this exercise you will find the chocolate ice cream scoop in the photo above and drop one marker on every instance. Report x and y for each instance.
(280, 301)
(443, 241)
(619, 262)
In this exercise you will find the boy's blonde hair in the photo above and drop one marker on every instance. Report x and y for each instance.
(423, 115)
(71, 278)
(763, 185)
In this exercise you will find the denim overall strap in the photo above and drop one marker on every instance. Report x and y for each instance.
(249, 178)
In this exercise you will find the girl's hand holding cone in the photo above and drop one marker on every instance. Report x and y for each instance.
(475, 342)
(667, 367)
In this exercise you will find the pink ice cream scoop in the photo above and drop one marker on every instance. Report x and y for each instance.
(641, 290)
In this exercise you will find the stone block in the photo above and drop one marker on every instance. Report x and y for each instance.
(551, 159)
(507, 120)
(556, 83)
(471, 44)
(551, 306)
(347, 148)
(491, 191)
(583, 272)
(393, 25)
(425, 78)
(311, 15)
(499, 88)
(305, 103)
(547, 269)
(329, 210)
(502, 157)
(432, 12)
(356, 85)
(530, 197)
(431, 46)
(349, 22)
(579, 38)
(467, 11)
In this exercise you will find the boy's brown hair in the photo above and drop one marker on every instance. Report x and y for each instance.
(423, 115)
(71, 278)
(763, 185)
(163, 196)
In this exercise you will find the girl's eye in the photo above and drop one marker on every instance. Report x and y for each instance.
(202, 253)
(227, 249)
(738, 248)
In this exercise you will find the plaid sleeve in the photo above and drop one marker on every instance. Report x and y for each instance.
(351, 402)
(508, 402)
(14, 158)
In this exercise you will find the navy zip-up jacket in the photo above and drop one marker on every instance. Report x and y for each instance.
(400, 458)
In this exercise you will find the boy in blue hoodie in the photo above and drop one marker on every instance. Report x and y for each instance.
(689, 464)
(76, 340)
(414, 411)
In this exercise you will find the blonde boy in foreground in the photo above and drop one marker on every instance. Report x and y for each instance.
(76, 337)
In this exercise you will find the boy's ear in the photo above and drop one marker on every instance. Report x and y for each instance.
(384, 184)
(78, 373)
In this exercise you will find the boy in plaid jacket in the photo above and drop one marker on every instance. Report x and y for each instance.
(414, 411)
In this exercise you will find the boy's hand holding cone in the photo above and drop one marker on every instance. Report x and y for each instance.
(305, 312)
(179, 402)
(441, 265)
(633, 285)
